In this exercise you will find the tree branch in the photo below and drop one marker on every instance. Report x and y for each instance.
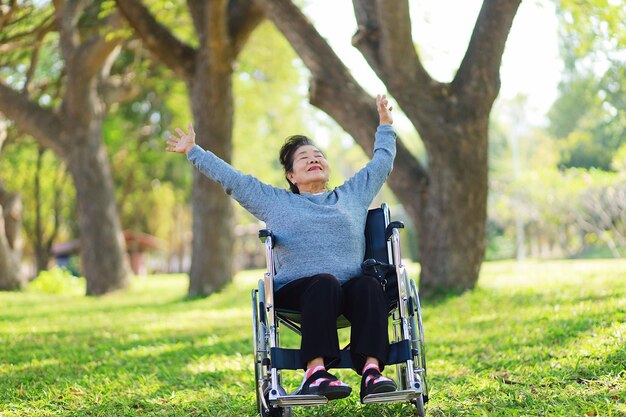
(93, 53)
(385, 40)
(119, 89)
(32, 119)
(66, 19)
(210, 20)
(478, 77)
(7, 12)
(10, 220)
(41, 34)
(243, 17)
(176, 55)
(331, 79)
(356, 115)
(384, 36)
(22, 40)
(314, 51)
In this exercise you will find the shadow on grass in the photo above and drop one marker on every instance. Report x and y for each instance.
(81, 305)
(491, 352)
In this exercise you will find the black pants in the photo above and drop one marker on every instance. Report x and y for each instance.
(321, 299)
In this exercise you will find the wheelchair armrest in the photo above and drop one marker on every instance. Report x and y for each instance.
(264, 234)
(390, 227)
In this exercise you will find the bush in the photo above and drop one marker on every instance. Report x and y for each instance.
(58, 281)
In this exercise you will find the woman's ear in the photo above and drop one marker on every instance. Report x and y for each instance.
(290, 178)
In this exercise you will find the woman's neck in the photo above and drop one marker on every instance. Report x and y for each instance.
(313, 188)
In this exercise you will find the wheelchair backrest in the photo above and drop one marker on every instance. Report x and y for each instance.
(376, 246)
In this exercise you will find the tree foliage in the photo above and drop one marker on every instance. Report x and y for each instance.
(69, 121)
(48, 197)
(447, 199)
(135, 133)
(202, 54)
(589, 117)
(565, 213)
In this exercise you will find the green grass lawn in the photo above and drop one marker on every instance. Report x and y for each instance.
(534, 339)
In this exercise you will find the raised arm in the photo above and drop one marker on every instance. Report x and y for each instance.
(255, 196)
(384, 110)
(368, 181)
(183, 142)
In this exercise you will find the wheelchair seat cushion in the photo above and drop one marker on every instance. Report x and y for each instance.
(332, 392)
(296, 317)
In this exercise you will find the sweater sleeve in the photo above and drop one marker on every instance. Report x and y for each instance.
(367, 182)
(254, 195)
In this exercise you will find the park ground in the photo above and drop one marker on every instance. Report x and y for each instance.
(533, 339)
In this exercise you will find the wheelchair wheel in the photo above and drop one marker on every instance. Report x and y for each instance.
(417, 339)
(275, 411)
(420, 359)
(261, 357)
(419, 406)
(259, 348)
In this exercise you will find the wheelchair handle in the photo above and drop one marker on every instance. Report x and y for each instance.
(371, 262)
(264, 234)
(390, 227)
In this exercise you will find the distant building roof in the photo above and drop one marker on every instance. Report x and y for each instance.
(71, 247)
(141, 241)
(135, 242)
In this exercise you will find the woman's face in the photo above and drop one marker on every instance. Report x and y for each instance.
(310, 169)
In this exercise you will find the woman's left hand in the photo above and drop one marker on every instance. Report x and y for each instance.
(183, 142)
(384, 110)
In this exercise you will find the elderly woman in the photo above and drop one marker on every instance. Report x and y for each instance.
(320, 245)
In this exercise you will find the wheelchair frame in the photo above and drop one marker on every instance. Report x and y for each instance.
(407, 349)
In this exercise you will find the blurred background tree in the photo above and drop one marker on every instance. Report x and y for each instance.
(555, 189)
(589, 117)
(447, 198)
(48, 214)
(199, 43)
(565, 200)
(54, 89)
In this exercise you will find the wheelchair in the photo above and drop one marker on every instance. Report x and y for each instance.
(406, 348)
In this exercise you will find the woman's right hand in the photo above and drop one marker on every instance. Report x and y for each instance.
(384, 110)
(183, 142)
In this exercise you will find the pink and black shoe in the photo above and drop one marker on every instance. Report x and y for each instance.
(320, 382)
(373, 382)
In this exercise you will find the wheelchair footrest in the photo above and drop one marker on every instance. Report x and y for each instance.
(300, 400)
(392, 397)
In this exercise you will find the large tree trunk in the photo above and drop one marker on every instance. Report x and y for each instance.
(103, 249)
(42, 243)
(102, 246)
(212, 106)
(447, 201)
(10, 226)
(453, 217)
(74, 134)
(222, 28)
(11, 277)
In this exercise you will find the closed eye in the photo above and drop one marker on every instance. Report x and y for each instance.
(303, 156)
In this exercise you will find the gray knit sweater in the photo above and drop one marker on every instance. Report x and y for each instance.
(315, 233)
